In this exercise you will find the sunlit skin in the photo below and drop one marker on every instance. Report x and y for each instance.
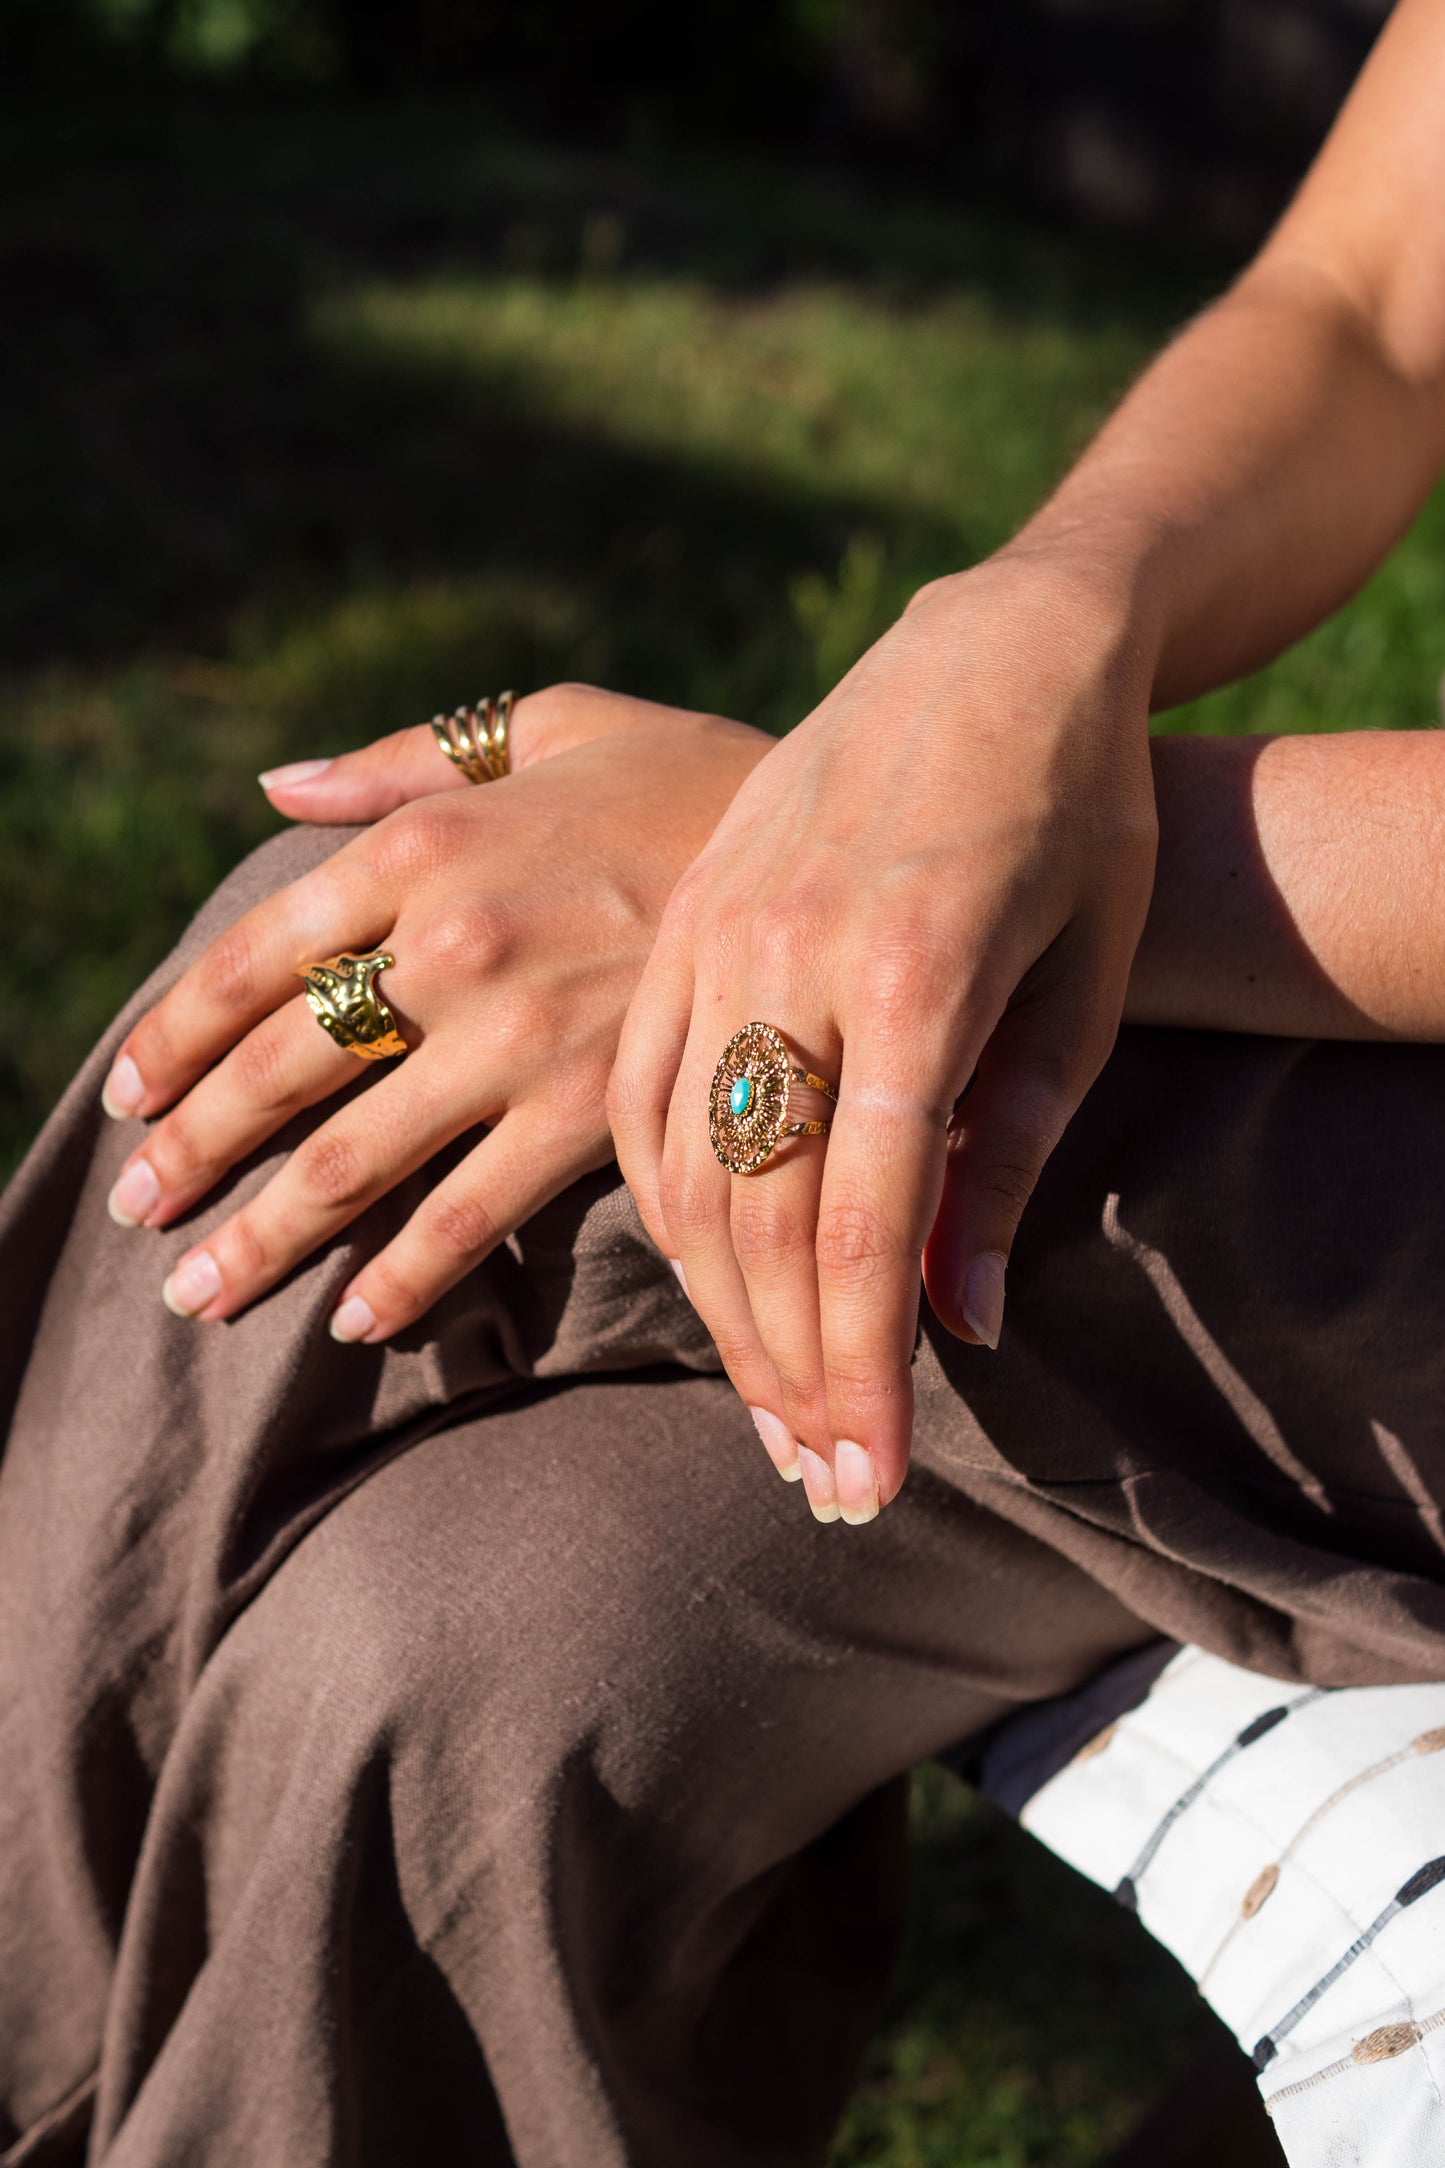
(946, 868)
(1298, 889)
(520, 914)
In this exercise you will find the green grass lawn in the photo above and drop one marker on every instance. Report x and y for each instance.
(317, 418)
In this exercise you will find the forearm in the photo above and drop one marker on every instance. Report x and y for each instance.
(1268, 460)
(1300, 887)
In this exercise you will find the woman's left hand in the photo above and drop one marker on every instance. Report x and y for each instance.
(519, 914)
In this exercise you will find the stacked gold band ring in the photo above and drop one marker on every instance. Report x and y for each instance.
(475, 739)
(755, 1101)
(342, 996)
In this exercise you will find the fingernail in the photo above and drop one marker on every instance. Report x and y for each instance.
(122, 1091)
(779, 1443)
(982, 1300)
(134, 1194)
(682, 1276)
(195, 1282)
(856, 1481)
(293, 775)
(818, 1483)
(353, 1320)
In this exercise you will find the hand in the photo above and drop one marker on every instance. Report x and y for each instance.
(939, 876)
(520, 914)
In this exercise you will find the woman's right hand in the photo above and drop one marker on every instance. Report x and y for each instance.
(520, 914)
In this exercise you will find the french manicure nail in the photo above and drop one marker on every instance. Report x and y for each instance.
(982, 1299)
(293, 775)
(195, 1282)
(856, 1481)
(779, 1443)
(682, 1276)
(353, 1320)
(135, 1194)
(818, 1484)
(122, 1091)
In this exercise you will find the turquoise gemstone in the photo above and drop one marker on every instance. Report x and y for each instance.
(740, 1098)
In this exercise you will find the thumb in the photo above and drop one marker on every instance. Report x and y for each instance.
(1005, 1128)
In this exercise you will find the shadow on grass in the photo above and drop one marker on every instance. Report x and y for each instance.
(240, 531)
(1033, 2022)
(176, 447)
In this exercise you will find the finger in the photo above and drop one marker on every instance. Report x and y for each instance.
(356, 788)
(363, 786)
(882, 1177)
(773, 1226)
(649, 1054)
(363, 1151)
(695, 1193)
(245, 974)
(523, 1163)
(287, 1063)
(1031, 1077)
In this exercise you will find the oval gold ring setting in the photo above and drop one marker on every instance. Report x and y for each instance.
(342, 996)
(759, 1096)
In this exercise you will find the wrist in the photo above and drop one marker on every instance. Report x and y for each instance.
(1081, 601)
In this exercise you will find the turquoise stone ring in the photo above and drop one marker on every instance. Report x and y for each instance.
(759, 1096)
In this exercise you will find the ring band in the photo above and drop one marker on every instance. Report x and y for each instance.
(754, 1102)
(342, 996)
(475, 739)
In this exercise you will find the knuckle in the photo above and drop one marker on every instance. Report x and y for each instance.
(783, 937)
(415, 844)
(151, 1045)
(328, 1170)
(248, 1257)
(897, 982)
(738, 1350)
(684, 908)
(801, 1385)
(859, 1379)
(461, 1229)
(469, 936)
(395, 1293)
(766, 1235)
(260, 1070)
(626, 1100)
(231, 975)
(689, 1201)
(173, 1152)
(854, 1243)
(1005, 1179)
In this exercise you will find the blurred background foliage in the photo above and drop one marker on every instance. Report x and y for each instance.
(363, 355)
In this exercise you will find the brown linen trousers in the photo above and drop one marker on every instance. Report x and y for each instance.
(468, 1750)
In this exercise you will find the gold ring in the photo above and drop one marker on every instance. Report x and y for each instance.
(755, 1103)
(342, 996)
(475, 739)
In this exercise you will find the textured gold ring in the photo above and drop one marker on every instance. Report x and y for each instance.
(342, 996)
(756, 1099)
(475, 739)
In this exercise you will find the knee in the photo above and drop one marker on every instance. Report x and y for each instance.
(505, 1618)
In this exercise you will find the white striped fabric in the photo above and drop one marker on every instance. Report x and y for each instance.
(1288, 1846)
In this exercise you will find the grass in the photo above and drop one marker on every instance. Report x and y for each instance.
(323, 417)
(1032, 2023)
